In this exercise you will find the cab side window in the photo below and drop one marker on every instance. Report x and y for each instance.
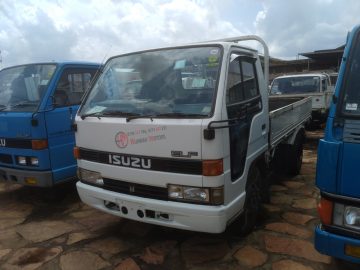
(251, 88)
(72, 85)
(323, 85)
(234, 83)
(242, 82)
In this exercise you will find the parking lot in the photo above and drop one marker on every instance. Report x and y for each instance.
(36, 233)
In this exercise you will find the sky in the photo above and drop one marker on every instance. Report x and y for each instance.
(94, 30)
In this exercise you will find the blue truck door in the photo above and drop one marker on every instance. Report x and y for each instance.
(61, 139)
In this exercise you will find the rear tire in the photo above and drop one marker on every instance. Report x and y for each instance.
(295, 155)
(252, 206)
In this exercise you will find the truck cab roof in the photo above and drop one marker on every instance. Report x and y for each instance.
(226, 45)
(303, 75)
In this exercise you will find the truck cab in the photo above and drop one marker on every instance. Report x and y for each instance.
(182, 136)
(337, 174)
(315, 85)
(38, 103)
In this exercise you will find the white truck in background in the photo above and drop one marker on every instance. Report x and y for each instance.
(189, 148)
(318, 86)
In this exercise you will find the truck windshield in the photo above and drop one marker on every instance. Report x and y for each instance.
(295, 85)
(22, 87)
(177, 82)
(351, 86)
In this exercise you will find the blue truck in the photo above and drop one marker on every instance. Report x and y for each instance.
(38, 103)
(338, 164)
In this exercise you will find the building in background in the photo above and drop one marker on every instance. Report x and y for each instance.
(321, 60)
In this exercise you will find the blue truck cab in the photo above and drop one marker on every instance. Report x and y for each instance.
(38, 103)
(338, 166)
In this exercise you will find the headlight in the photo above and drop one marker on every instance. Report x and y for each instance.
(90, 177)
(348, 216)
(213, 196)
(352, 217)
(27, 161)
(34, 161)
(21, 160)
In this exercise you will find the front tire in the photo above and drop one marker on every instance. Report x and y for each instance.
(252, 206)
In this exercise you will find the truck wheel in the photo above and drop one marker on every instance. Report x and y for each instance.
(280, 161)
(252, 206)
(296, 155)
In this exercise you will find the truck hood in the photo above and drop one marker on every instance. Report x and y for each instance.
(15, 125)
(142, 137)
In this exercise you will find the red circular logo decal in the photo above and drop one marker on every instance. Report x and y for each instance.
(121, 139)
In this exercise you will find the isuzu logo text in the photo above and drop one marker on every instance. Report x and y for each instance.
(2, 142)
(132, 162)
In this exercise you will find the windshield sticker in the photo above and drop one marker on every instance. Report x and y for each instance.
(206, 109)
(96, 109)
(212, 61)
(214, 51)
(180, 64)
(139, 136)
(198, 83)
(44, 82)
(351, 106)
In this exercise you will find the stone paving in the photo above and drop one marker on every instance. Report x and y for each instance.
(39, 234)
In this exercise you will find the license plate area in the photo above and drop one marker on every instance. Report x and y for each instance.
(136, 211)
(130, 209)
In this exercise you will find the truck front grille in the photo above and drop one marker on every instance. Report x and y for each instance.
(95, 156)
(173, 165)
(4, 158)
(352, 131)
(139, 190)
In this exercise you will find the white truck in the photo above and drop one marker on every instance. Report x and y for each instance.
(190, 146)
(318, 86)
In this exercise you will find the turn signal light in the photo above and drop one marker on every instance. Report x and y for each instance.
(353, 251)
(39, 144)
(76, 152)
(325, 210)
(212, 167)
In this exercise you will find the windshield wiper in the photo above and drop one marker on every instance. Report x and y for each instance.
(2, 107)
(172, 114)
(128, 119)
(109, 113)
(24, 103)
(119, 113)
(180, 115)
(96, 114)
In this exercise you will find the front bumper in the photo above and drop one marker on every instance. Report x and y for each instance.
(334, 245)
(186, 216)
(43, 178)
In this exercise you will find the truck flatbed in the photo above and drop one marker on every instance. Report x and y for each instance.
(286, 115)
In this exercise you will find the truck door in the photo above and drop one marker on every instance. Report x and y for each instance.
(243, 101)
(66, 97)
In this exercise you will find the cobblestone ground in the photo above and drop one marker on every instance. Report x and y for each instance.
(35, 234)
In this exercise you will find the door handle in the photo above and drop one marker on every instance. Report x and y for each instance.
(263, 127)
